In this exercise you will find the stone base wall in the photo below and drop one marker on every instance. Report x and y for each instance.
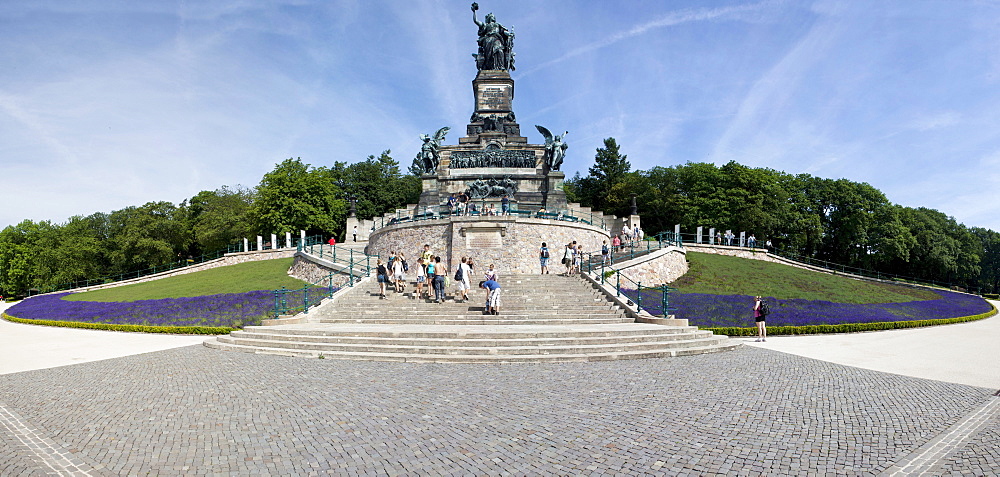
(511, 243)
(317, 271)
(657, 268)
(749, 253)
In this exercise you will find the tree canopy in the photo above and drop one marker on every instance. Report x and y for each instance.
(836, 220)
(293, 196)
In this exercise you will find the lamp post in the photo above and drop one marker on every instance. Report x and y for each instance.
(353, 210)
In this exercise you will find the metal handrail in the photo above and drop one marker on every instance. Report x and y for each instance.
(615, 276)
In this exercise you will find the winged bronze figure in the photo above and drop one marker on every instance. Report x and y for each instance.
(555, 148)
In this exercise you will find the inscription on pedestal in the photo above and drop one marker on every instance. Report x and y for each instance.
(493, 97)
(483, 235)
(483, 239)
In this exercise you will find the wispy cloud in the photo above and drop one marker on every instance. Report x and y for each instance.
(671, 19)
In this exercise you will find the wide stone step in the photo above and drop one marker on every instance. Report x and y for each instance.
(486, 320)
(482, 358)
(461, 341)
(473, 332)
(445, 348)
(433, 308)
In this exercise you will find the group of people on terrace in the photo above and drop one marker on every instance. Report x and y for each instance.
(461, 204)
(729, 239)
(433, 273)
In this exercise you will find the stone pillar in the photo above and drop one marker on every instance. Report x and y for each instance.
(711, 236)
(288, 240)
(260, 243)
(698, 235)
(246, 245)
(633, 222)
(677, 230)
(743, 239)
(302, 235)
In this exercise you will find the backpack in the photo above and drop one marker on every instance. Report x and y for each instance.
(458, 274)
(406, 266)
(764, 309)
(545, 252)
(604, 249)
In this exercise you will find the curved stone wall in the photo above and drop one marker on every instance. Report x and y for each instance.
(511, 243)
(659, 267)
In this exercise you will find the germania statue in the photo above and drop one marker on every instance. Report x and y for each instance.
(496, 44)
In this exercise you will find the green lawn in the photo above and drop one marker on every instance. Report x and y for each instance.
(724, 275)
(244, 277)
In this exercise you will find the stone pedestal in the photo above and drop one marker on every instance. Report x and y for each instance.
(493, 159)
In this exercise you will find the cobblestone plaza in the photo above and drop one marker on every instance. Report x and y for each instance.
(752, 411)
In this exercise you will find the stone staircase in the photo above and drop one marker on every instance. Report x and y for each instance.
(543, 318)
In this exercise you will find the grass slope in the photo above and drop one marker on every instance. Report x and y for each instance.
(240, 278)
(725, 275)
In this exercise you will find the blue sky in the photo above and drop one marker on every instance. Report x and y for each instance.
(106, 104)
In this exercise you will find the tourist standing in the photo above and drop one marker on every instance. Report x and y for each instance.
(543, 258)
(463, 203)
(491, 273)
(355, 233)
(332, 241)
(452, 202)
(577, 259)
(625, 234)
(567, 259)
(430, 278)
(428, 257)
(492, 288)
(462, 278)
(399, 272)
(440, 272)
(759, 315)
(605, 253)
(382, 276)
(421, 278)
(616, 243)
(752, 241)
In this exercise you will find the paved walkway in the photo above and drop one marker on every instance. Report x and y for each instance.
(753, 411)
(965, 353)
(27, 347)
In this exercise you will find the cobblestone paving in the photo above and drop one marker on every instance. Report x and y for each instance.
(197, 411)
(980, 456)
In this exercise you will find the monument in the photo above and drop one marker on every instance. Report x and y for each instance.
(491, 162)
(493, 159)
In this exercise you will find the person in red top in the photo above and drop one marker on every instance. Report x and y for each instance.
(332, 241)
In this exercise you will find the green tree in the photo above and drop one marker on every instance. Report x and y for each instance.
(219, 218)
(378, 185)
(18, 253)
(610, 168)
(295, 196)
(152, 235)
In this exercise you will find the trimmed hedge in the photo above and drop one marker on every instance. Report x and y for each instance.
(847, 327)
(179, 330)
(991, 296)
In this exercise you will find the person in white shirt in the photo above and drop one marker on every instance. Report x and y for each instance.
(464, 281)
